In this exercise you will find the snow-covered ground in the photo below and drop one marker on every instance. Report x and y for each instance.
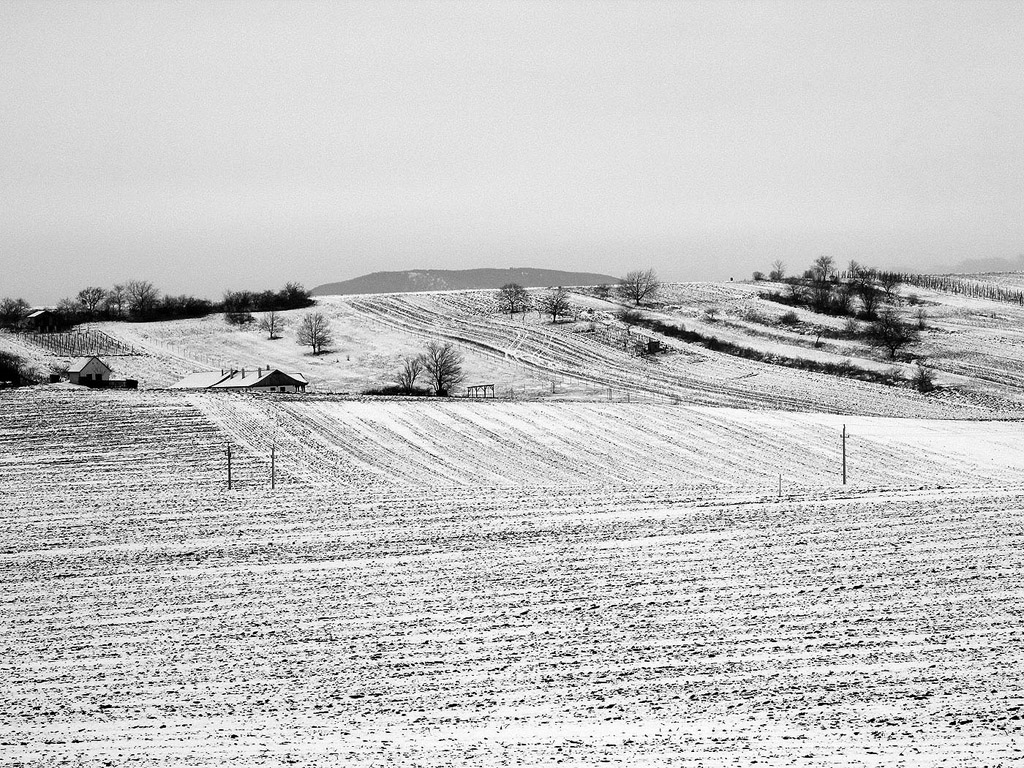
(484, 583)
(621, 561)
(974, 346)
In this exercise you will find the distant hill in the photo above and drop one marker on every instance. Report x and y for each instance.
(458, 280)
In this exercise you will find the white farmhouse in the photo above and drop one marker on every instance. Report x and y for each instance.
(253, 380)
(88, 371)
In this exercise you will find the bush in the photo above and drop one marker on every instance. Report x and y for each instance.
(396, 390)
(238, 318)
(923, 378)
(790, 318)
(758, 276)
(15, 373)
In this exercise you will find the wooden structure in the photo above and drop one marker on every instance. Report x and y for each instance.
(45, 321)
(89, 371)
(480, 390)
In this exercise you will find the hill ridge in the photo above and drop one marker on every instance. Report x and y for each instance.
(407, 281)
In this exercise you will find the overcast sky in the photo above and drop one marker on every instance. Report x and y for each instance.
(210, 145)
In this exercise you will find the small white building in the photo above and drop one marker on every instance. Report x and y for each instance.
(253, 380)
(88, 371)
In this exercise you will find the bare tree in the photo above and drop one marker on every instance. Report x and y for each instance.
(443, 365)
(12, 312)
(892, 333)
(555, 303)
(889, 281)
(238, 307)
(823, 268)
(141, 296)
(272, 324)
(412, 367)
(115, 301)
(869, 298)
(90, 300)
(778, 272)
(639, 286)
(67, 309)
(513, 298)
(314, 332)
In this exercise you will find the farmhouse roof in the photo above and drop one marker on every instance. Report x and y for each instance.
(246, 378)
(79, 363)
(235, 379)
(39, 313)
(200, 380)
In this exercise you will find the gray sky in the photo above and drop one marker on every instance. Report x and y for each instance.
(211, 145)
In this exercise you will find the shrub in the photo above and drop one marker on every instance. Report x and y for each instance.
(923, 378)
(396, 390)
(758, 276)
(790, 318)
(238, 318)
(15, 373)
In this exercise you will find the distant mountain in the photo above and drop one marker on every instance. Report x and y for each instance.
(458, 280)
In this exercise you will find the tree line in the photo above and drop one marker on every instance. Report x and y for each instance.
(141, 301)
(638, 287)
(859, 292)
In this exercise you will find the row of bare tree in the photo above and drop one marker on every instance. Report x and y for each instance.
(140, 300)
(638, 287)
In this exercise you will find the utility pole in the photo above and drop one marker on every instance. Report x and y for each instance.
(229, 467)
(844, 454)
(272, 467)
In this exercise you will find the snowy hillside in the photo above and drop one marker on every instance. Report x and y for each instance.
(975, 347)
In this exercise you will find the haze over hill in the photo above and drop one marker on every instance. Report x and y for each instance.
(458, 280)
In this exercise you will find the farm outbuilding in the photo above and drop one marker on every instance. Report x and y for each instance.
(88, 371)
(45, 321)
(253, 380)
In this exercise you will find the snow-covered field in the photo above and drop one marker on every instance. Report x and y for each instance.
(974, 346)
(619, 561)
(519, 583)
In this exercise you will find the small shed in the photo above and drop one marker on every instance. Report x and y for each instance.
(89, 371)
(45, 321)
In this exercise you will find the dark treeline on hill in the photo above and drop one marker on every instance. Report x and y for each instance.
(141, 301)
(238, 306)
(859, 291)
(459, 280)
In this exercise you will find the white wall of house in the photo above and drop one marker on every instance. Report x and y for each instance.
(94, 370)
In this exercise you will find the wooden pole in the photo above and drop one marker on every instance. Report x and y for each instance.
(272, 467)
(229, 467)
(844, 454)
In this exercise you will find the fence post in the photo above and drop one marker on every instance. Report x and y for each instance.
(844, 454)
(229, 467)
